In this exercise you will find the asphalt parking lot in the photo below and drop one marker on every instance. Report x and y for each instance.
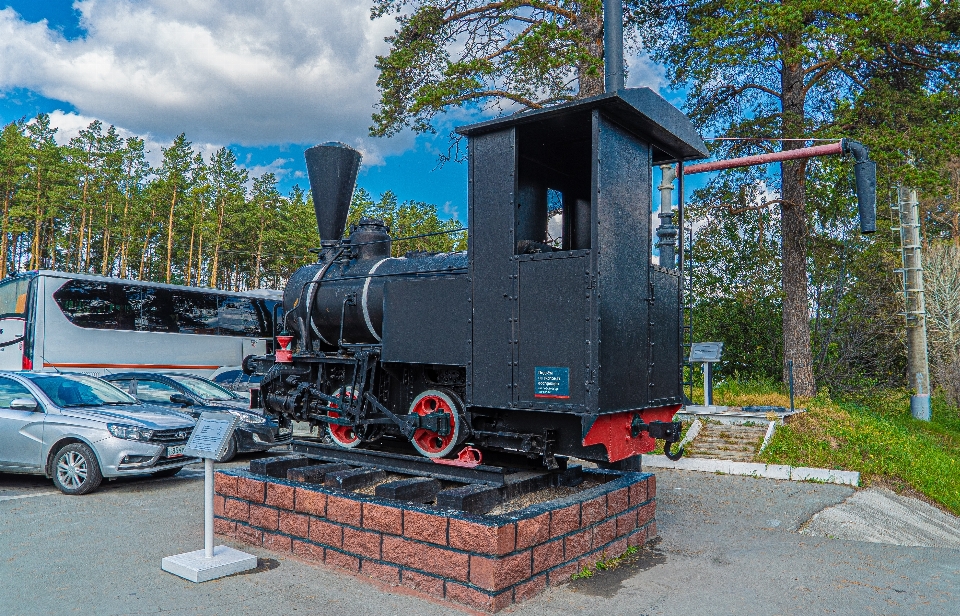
(728, 545)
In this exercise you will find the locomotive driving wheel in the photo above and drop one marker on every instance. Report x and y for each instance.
(343, 436)
(429, 443)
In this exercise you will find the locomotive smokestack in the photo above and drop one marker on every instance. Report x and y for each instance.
(612, 45)
(332, 169)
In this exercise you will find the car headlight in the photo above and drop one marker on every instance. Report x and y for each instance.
(251, 418)
(130, 433)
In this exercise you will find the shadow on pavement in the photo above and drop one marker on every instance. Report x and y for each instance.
(609, 582)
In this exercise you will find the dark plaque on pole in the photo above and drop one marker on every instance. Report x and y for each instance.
(211, 438)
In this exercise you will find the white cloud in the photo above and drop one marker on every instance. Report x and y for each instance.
(246, 72)
(70, 124)
(225, 71)
(276, 167)
(642, 72)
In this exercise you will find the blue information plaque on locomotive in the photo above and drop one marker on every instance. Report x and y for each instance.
(551, 382)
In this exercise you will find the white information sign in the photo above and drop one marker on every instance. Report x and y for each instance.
(211, 436)
(209, 440)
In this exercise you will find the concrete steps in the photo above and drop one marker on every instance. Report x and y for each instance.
(727, 442)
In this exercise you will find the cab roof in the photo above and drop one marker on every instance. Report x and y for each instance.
(641, 111)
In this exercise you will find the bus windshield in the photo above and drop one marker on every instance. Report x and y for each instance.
(13, 297)
(204, 389)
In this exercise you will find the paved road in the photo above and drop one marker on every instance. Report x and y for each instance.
(728, 546)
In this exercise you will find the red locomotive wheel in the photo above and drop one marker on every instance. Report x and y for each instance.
(344, 436)
(431, 444)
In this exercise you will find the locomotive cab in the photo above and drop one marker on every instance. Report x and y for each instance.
(554, 334)
(573, 323)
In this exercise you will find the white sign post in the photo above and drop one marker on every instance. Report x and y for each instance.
(209, 441)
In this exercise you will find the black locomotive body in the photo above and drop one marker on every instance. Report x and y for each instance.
(559, 343)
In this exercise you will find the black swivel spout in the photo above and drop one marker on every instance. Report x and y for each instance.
(332, 169)
(865, 175)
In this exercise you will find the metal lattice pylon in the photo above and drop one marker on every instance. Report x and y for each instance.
(906, 229)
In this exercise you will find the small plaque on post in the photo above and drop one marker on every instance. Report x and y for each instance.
(209, 440)
(211, 437)
(705, 352)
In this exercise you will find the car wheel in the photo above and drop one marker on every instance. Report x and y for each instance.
(76, 470)
(231, 449)
(167, 472)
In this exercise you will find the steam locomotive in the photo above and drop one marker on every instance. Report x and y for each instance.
(565, 343)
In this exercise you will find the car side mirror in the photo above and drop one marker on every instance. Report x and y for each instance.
(181, 399)
(24, 404)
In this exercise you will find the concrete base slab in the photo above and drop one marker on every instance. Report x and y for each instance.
(751, 469)
(730, 414)
(801, 473)
(196, 567)
(878, 515)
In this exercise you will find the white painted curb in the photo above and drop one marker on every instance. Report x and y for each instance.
(692, 433)
(769, 435)
(751, 469)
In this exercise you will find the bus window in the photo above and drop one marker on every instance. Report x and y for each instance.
(266, 307)
(94, 305)
(13, 297)
(154, 309)
(238, 317)
(110, 305)
(196, 313)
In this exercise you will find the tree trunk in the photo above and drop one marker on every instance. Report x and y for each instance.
(3, 239)
(146, 242)
(16, 253)
(216, 243)
(200, 258)
(106, 241)
(793, 221)
(256, 277)
(86, 253)
(193, 233)
(173, 204)
(143, 256)
(591, 80)
(80, 236)
(35, 251)
(124, 228)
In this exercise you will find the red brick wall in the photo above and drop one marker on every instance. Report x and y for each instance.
(486, 562)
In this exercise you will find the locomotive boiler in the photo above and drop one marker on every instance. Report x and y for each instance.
(554, 334)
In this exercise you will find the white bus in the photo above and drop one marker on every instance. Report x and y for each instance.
(58, 321)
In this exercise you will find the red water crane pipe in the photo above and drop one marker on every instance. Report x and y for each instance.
(864, 169)
(760, 159)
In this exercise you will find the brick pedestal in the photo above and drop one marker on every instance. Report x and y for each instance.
(486, 562)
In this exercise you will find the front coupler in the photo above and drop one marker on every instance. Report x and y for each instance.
(668, 432)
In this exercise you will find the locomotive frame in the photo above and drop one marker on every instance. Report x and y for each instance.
(517, 345)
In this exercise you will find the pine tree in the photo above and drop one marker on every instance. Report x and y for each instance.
(175, 180)
(14, 157)
(776, 69)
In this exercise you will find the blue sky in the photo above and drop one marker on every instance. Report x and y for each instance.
(266, 79)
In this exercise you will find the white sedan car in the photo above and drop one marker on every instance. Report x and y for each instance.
(77, 429)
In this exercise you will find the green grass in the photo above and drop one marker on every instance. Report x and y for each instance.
(605, 563)
(874, 434)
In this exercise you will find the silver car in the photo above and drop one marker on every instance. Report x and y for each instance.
(78, 429)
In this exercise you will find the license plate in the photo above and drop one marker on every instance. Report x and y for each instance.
(173, 452)
(284, 431)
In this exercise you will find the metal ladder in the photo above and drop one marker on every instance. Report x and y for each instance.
(901, 227)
